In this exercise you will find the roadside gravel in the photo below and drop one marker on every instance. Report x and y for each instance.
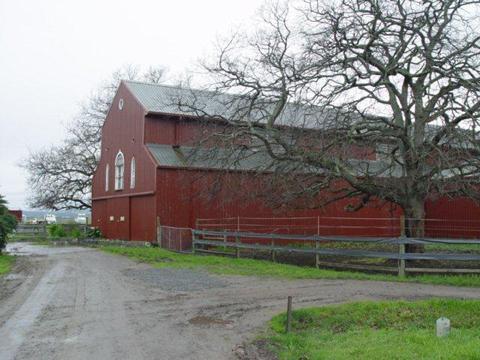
(176, 279)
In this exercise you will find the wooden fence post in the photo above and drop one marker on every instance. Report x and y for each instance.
(401, 247)
(273, 251)
(169, 238)
(237, 250)
(288, 326)
(159, 232)
(193, 241)
(317, 256)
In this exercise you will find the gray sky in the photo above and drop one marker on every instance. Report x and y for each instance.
(53, 53)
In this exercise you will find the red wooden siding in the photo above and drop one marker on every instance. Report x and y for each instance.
(142, 218)
(132, 210)
(17, 213)
(456, 218)
(183, 197)
(178, 197)
(123, 131)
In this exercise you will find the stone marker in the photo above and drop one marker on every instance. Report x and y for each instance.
(443, 327)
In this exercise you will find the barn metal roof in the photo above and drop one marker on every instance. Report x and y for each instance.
(158, 98)
(200, 158)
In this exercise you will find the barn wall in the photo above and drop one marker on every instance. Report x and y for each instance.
(126, 218)
(160, 130)
(99, 215)
(457, 218)
(142, 218)
(17, 213)
(127, 214)
(187, 195)
(175, 130)
(178, 197)
(123, 131)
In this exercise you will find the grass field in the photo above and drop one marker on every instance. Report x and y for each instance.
(6, 262)
(379, 330)
(230, 266)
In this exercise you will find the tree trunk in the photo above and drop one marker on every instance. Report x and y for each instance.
(415, 224)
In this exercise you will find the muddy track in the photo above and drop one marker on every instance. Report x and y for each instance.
(77, 303)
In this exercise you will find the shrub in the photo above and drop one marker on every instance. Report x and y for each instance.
(8, 223)
(76, 233)
(94, 233)
(56, 231)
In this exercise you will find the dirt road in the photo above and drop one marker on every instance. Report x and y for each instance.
(78, 303)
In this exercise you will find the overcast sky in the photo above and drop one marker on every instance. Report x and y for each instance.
(53, 53)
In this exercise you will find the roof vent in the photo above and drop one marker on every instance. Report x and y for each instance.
(120, 104)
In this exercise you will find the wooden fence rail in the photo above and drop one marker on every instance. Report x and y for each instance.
(42, 229)
(232, 239)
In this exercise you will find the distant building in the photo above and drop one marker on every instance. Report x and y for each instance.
(17, 213)
(50, 219)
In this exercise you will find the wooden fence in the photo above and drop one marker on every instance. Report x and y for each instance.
(42, 229)
(31, 229)
(210, 241)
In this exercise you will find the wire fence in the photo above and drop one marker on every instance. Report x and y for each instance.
(342, 226)
(174, 238)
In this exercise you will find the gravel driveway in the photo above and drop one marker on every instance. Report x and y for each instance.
(78, 303)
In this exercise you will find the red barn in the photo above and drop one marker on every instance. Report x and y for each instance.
(143, 179)
(17, 213)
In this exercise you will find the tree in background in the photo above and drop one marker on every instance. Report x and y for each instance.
(8, 223)
(381, 99)
(61, 177)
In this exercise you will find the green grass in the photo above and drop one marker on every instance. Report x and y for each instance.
(27, 238)
(231, 266)
(379, 330)
(6, 262)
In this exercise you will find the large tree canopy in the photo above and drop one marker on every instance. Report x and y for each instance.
(60, 177)
(389, 92)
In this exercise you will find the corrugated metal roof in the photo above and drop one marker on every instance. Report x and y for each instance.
(165, 155)
(184, 156)
(158, 98)
(200, 158)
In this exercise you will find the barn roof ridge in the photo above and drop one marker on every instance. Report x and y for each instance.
(161, 85)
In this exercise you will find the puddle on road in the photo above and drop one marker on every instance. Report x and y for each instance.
(209, 321)
(28, 249)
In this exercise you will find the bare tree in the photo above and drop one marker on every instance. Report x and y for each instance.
(365, 99)
(61, 177)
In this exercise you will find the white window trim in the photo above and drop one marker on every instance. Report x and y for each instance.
(119, 171)
(133, 172)
(107, 176)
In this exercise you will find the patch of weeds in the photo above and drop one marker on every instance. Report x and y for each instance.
(379, 330)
